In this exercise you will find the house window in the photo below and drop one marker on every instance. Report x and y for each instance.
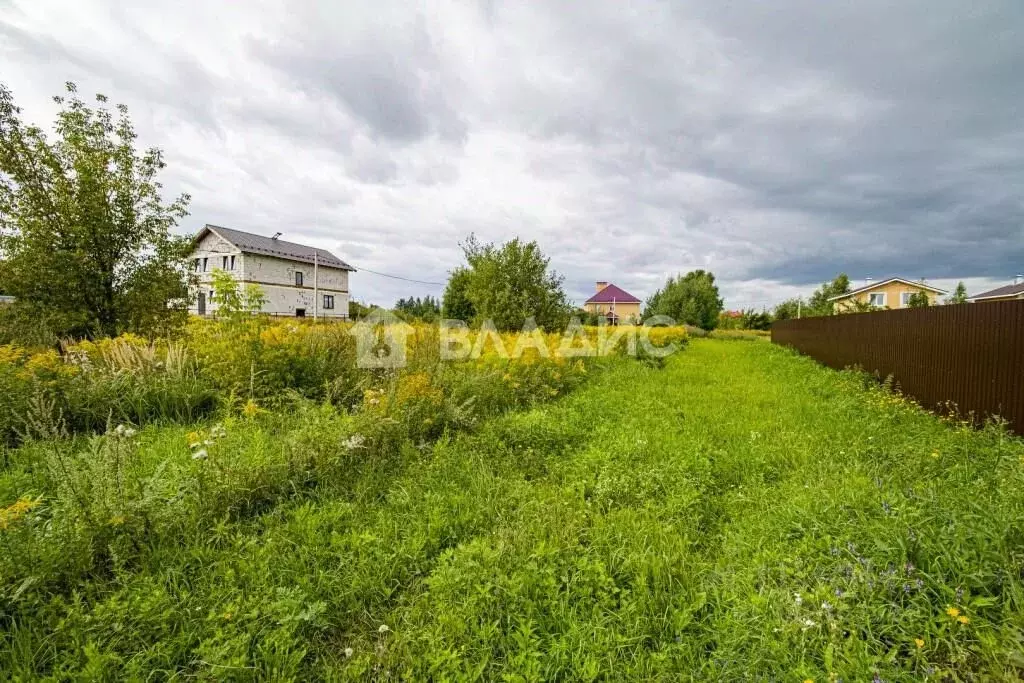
(223, 262)
(905, 298)
(232, 262)
(300, 312)
(877, 299)
(195, 265)
(298, 278)
(213, 296)
(328, 301)
(204, 264)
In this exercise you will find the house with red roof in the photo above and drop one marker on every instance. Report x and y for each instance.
(614, 303)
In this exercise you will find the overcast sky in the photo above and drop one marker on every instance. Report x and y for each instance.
(774, 143)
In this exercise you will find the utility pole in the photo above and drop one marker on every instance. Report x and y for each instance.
(316, 285)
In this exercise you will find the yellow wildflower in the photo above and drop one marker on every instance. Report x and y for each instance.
(935, 454)
(963, 620)
(193, 439)
(250, 409)
(12, 513)
(117, 520)
(919, 642)
(953, 612)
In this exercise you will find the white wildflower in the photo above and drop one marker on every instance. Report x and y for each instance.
(217, 431)
(353, 442)
(796, 598)
(827, 606)
(200, 454)
(809, 623)
(383, 628)
(349, 652)
(124, 432)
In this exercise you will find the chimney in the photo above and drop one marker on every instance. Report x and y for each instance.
(601, 285)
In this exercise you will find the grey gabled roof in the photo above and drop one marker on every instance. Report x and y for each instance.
(1005, 290)
(247, 242)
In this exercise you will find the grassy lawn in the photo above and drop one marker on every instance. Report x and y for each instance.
(740, 513)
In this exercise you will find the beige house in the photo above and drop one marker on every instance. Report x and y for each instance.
(296, 280)
(614, 303)
(1005, 293)
(894, 292)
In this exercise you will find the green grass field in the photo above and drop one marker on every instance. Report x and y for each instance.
(740, 513)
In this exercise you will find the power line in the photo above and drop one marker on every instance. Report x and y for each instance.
(398, 277)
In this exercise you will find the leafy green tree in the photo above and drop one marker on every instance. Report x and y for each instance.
(819, 303)
(455, 303)
(918, 300)
(586, 317)
(358, 310)
(234, 303)
(754, 320)
(692, 299)
(85, 234)
(790, 309)
(855, 306)
(511, 283)
(959, 295)
(426, 309)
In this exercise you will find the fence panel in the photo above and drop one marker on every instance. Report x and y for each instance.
(969, 355)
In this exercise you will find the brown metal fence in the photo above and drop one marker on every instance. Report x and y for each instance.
(969, 355)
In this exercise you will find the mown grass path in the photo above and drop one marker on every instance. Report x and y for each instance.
(739, 514)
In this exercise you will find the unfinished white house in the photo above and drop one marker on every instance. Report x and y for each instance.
(297, 280)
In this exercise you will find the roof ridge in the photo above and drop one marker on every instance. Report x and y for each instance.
(601, 296)
(886, 281)
(1003, 290)
(269, 246)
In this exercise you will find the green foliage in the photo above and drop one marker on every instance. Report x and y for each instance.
(589, 318)
(691, 299)
(233, 304)
(86, 237)
(819, 303)
(790, 309)
(959, 295)
(856, 306)
(740, 510)
(427, 309)
(456, 302)
(358, 310)
(918, 300)
(510, 284)
(748, 319)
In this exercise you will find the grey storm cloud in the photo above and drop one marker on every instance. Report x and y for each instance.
(775, 144)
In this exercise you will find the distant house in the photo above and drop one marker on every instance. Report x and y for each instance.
(615, 304)
(894, 292)
(1004, 293)
(296, 279)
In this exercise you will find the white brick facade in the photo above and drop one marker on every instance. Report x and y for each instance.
(275, 276)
